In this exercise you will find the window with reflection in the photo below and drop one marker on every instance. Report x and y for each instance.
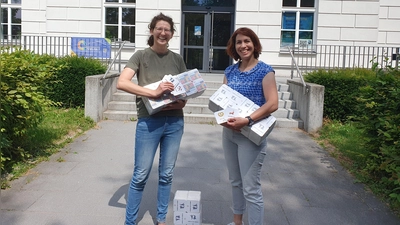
(225, 3)
(10, 19)
(297, 28)
(119, 20)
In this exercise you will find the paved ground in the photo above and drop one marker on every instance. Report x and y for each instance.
(302, 185)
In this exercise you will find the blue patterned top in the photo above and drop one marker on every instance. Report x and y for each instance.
(248, 83)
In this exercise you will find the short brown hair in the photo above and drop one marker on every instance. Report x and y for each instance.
(231, 49)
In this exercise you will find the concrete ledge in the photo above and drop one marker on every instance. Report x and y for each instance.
(310, 103)
(98, 94)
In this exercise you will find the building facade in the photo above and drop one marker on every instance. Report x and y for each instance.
(204, 26)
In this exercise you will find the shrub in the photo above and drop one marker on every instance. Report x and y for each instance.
(24, 78)
(69, 88)
(341, 90)
(381, 122)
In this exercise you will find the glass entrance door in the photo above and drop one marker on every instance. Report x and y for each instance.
(205, 35)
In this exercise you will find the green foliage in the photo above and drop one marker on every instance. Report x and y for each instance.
(381, 122)
(368, 102)
(348, 138)
(349, 141)
(30, 84)
(341, 90)
(58, 127)
(68, 87)
(24, 78)
(382, 70)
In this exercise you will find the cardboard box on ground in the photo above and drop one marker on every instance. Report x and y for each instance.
(189, 84)
(187, 207)
(226, 103)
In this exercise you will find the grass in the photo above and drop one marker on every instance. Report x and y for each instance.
(345, 143)
(58, 128)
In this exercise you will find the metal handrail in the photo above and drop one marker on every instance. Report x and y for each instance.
(297, 67)
(112, 63)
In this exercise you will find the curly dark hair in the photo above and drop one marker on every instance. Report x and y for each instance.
(153, 23)
(231, 49)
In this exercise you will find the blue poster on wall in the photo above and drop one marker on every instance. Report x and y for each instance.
(91, 47)
(306, 21)
(289, 21)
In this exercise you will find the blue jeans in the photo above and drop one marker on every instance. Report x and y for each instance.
(244, 160)
(150, 133)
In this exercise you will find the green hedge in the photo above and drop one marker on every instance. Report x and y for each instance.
(380, 102)
(69, 86)
(341, 90)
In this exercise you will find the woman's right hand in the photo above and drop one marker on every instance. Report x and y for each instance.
(235, 123)
(164, 88)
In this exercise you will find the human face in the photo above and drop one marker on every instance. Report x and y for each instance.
(162, 33)
(244, 46)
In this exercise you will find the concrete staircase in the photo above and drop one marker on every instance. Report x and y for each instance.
(123, 106)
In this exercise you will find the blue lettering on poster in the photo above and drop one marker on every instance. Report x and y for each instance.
(91, 47)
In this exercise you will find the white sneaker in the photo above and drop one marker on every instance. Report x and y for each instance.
(233, 223)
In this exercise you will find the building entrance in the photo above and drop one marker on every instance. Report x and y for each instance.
(205, 36)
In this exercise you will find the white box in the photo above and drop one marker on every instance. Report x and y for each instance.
(154, 105)
(222, 100)
(223, 115)
(191, 81)
(225, 97)
(218, 99)
(194, 198)
(192, 217)
(245, 107)
(181, 203)
(178, 87)
(178, 217)
(260, 130)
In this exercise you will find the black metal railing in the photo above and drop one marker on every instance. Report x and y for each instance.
(316, 57)
(53, 45)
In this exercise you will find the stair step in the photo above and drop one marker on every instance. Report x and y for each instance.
(123, 106)
(124, 96)
(199, 109)
(287, 104)
(283, 87)
(194, 118)
(286, 113)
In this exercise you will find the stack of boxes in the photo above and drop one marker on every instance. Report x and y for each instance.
(187, 85)
(187, 208)
(226, 103)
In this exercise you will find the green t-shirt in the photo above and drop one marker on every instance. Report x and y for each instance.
(151, 67)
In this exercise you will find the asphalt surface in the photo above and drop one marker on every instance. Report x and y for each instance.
(86, 183)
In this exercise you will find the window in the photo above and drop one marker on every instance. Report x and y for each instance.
(297, 23)
(225, 3)
(10, 19)
(119, 20)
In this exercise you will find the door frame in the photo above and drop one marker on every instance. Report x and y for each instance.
(207, 51)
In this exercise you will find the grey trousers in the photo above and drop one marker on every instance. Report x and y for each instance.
(244, 160)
